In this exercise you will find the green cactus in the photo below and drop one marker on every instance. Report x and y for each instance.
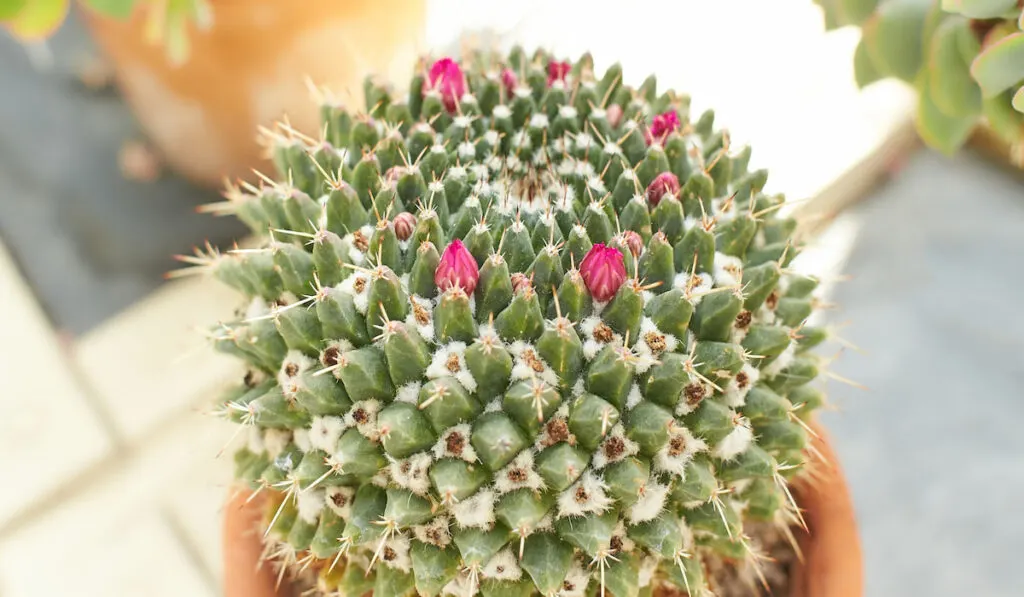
(965, 58)
(526, 394)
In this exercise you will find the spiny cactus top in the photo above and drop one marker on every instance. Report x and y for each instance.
(522, 329)
(964, 57)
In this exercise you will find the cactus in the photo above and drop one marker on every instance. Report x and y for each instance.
(965, 58)
(520, 329)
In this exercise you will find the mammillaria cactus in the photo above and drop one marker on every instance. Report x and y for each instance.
(499, 342)
(965, 58)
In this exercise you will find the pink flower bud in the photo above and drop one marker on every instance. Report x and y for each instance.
(509, 81)
(662, 125)
(520, 282)
(666, 182)
(603, 271)
(614, 115)
(446, 77)
(633, 241)
(405, 224)
(457, 268)
(558, 71)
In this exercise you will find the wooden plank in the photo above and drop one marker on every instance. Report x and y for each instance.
(48, 431)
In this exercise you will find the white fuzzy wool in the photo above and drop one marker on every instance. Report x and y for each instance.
(586, 496)
(409, 393)
(276, 440)
(780, 363)
(421, 317)
(411, 473)
(396, 553)
(651, 344)
(339, 500)
(648, 566)
(503, 566)
(310, 504)
(576, 581)
(617, 434)
(523, 367)
(728, 270)
(434, 532)
(441, 448)
(650, 504)
(254, 440)
(591, 345)
(476, 511)
(735, 394)
(368, 428)
(673, 459)
(357, 285)
(301, 438)
(634, 397)
(521, 466)
(296, 363)
(324, 433)
(736, 443)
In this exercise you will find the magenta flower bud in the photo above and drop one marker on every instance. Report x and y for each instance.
(558, 71)
(662, 125)
(457, 268)
(446, 77)
(509, 81)
(405, 224)
(633, 241)
(614, 115)
(603, 271)
(664, 183)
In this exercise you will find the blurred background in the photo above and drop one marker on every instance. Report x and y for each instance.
(112, 484)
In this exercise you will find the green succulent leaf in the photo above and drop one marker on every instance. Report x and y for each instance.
(1000, 66)
(119, 9)
(950, 84)
(980, 9)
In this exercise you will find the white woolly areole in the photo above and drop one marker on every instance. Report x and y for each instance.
(410, 393)
(544, 437)
(737, 442)
(651, 344)
(781, 362)
(421, 317)
(528, 361)
(678, 451)
(309, 505)
(503, 566)
(441, 448)
(411, 473)
(728, 270)
(257, 307)
(434, 532)
(501, 111)
(648, 566)
(591, 345)
(538, 121)
(475, 511)
(634, 397)
(616, 436)
(395, 554)
(294, 365)
(357, 285)
(518, 474)
(368, 428)
(586, 496)
(466, 150)
(694, 287)
(736, 391)
(301, 438)
(620, 533)
(579, 388)
(324, 433)
(650, 504)
(493, 406)
(339, 500)
(276, 440)
(461, 586)
(576, 581)
(254, 440)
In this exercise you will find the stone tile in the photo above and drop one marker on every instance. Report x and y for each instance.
(48, 432)
(152, 361)
(139, 556)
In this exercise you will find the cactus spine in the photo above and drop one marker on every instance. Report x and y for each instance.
(523, 329)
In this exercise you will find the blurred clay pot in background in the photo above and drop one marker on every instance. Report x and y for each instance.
(250, 68)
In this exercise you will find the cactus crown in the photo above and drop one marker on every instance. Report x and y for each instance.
(522, 329)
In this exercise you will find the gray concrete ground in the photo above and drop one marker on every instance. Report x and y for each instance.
(934, 450)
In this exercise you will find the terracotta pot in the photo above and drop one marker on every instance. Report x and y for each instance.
(832, 557)
(250, 69)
